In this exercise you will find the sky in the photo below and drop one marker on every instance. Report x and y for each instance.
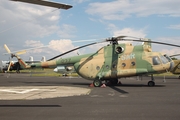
(24, 26)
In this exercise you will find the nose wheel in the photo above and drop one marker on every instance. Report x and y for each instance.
(151, 83)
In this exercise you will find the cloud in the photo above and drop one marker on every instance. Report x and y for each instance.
(115, 31)
(122, 9)
(34, 44)
(130, 32)
(22, 21)
(171, 40)
(54, 48)
(23, 24)
(67, 31)
(80, 1)
(177, 27)
(61, 45)
(169, 50)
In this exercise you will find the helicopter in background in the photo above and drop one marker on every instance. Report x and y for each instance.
(113, 61)
(6, 66)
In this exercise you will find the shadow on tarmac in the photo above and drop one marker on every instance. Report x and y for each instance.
(86, 84)
(30, 106)
(138, 85)
(118, 90)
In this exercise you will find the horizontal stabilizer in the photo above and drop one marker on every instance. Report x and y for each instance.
(43, 59)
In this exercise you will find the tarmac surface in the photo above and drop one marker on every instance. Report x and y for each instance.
(55, 98)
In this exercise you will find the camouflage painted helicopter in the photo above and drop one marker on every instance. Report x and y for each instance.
(110, 62)
(113, 61)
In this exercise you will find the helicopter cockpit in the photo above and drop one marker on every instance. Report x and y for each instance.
(171, 62)
(162, 59)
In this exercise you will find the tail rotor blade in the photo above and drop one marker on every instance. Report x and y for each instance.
(9, 66)
(7, 49)
(21, 52)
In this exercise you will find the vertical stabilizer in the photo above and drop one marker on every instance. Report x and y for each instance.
(31, 58)
(43, 59)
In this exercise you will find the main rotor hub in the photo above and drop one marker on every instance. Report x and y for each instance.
(113, 40)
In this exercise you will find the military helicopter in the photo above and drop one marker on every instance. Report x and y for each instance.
(113, 61)
(110, 62)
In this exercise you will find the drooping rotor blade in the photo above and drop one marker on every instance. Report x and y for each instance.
(74, 50)
(174, 55)
(46, 3)
(77, 41)
(120, 37)
(141, 40)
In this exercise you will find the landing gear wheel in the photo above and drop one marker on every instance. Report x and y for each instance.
(151, 83)
(97, 83)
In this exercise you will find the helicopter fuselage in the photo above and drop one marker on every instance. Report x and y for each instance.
(107, 63)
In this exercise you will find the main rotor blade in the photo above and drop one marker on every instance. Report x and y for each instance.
(73, 50)
(140, 40)
(174, 55)
(46, 3)
(121, 37)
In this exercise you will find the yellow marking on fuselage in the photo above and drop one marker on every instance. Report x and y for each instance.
(91, 67)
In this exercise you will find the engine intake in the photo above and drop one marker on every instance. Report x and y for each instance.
(119, 49)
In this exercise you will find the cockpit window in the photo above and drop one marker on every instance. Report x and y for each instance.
(164, 59)
(156, 60)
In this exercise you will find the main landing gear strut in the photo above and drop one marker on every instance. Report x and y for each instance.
(151, 83)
